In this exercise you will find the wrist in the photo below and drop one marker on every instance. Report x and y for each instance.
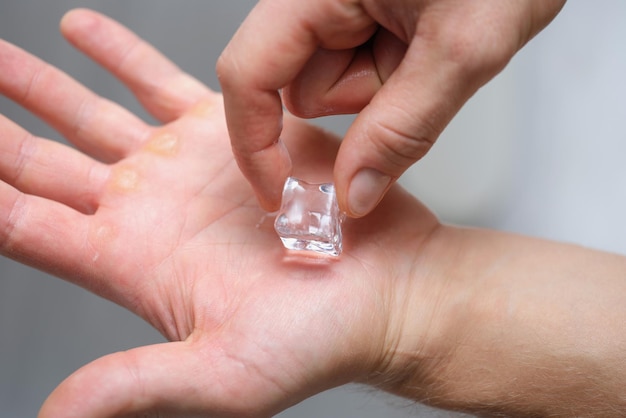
(423, 319)
(501, 324)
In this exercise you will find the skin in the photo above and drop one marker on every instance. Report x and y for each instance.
(405, 66)
(160, 220)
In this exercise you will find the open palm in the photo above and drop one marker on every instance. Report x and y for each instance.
(160, 221)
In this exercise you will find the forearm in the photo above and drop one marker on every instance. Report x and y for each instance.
(522, 327)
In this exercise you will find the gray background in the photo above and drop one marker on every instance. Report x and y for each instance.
(539, 151)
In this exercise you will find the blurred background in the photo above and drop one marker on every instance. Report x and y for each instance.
(541, 150)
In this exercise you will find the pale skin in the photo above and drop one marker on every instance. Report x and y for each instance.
(160, 220)
(405, 66)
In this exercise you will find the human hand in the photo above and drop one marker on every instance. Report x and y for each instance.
(160, 221)
(406, 65)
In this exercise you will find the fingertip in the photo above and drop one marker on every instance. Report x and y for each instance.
(126, 383)
(269, 203)
(104, 387)
(74, 15)
(76, 20)
(68, 16)
(266, 170)
(269, 193)
(365, 191)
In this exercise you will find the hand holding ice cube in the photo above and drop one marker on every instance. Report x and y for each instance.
(405, 66)
(160, 220)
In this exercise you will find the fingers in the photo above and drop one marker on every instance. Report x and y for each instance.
(45, 191)
(125, 383)
(171, 379)
(44, 234)
(95, 125)
(399, 126)
(455, 47)
(344, 81)
(333, 82)
(164, 90)
(450, 57)
(49, 169)
(263, 58)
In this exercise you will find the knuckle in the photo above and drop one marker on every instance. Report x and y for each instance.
(475, 46)
(221, 68)
(27, 148)
(400, 147)
(226, 70)
(9, 227)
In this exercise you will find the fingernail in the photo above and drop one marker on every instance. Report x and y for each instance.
(366, 190)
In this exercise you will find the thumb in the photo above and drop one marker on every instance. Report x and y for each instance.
(159, 380)
(398, 126)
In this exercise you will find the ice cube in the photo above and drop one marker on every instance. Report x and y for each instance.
(309, 218)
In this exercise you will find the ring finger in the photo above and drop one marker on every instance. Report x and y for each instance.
(95, 125)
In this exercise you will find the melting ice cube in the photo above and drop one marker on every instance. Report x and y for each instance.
(309, 217)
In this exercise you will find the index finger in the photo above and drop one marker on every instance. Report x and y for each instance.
(268, 51)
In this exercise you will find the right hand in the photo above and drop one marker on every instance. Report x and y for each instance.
(406, 65)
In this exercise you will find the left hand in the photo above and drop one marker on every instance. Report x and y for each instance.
(160, 220)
